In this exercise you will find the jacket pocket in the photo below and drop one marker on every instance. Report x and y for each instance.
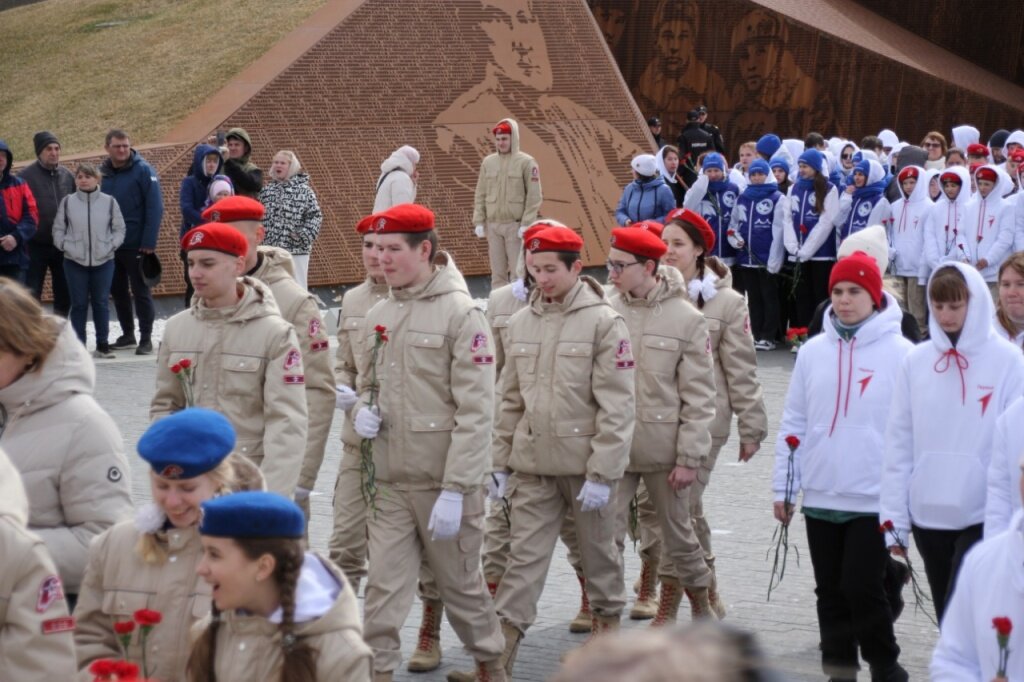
(575, 428)
(240, 376)
(523, 357)
(123, 603)
(426, 354)
(946, 489)
(660, 354)
(515, 193)
(659, 415)
(491, 180)
(573, 363)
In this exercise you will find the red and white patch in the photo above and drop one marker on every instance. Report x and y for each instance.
(535, 174)
(746, 325)
(479, 342)
(314, 327)
(483, 359)
(215, 217)
(319, 345)
(623, 349)
(864, 381)
(293, 359)
(197, 238)
(172, 471)
(707, 345)
(55, 625)
(294, 378)
(625, 364)
(50, 591)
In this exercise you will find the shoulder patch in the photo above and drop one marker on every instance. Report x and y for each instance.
(746, 325)
(319, 345)
(55, 625)
(50, 591)
(535, 174)
(479, 342)
(314, 327)
(293, 359)
(294, 378)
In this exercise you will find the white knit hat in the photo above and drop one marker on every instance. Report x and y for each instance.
(872, 241)
(645, 164)
(410, 153)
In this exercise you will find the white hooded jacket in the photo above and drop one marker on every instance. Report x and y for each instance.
(395, 184)
(907, 225)
(1003, 496)
(946, 232)
(943, 414)
(990, 225)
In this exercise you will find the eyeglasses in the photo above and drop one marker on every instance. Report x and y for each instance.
(847, 157)
(932, 144)
(617, 268)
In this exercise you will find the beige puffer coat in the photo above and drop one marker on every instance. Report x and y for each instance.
(69, 452)
(567, 390)
(351, 343)
(508, 187)
(675, 376)
(246, 365)
(437, 385)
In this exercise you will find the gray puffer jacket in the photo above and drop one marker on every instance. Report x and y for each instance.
(89, 227)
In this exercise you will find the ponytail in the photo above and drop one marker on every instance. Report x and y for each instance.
(820, 192)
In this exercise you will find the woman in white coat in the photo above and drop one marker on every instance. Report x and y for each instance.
(397, 181)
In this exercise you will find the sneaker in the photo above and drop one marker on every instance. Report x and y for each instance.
(123, 343)
(794, 349)
(103, 352)
(145, 347)
(764, 344)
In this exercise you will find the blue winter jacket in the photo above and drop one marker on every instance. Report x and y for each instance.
(645, 200)
(195, 188)
(137, 190)
(19, 216)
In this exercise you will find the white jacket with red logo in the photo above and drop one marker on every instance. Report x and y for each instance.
(939, 436)
(990, 226)
(837, 405)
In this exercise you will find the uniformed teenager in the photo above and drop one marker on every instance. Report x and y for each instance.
(279, 613)
(150, 563)
(244, 357)
(675, 404)
(36, 632)
(430, 428)
(274, 267)
(562, 432)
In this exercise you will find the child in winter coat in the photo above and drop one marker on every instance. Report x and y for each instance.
(713, 196)
(863, 203)
(838, 465)
(946, 232)
(950, 391)
(755, 230)
(990, 223)
(647, 197)
(220, 188)
(89, 228)
(906, 239)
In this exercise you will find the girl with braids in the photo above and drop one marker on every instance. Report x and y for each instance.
(151, 563)
(279, 612)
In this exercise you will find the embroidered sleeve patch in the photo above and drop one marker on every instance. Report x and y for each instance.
(314, 327)
(294, 378)
(479, 342)
(55, 625)
(746, 325)
(535, 174)
(293, 359)
(483, 359)
(625, 364)
(50, 591)
(319, 345)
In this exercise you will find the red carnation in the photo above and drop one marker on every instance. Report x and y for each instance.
(124, 627)
(147, 617)
(889, 525)
(103, 667)
(185, 363)
(803, 229)
(730, 232)
(176, 368)
(125, 670)
(792, 441)
(380, 329)
(1003, 626)
(384, 337)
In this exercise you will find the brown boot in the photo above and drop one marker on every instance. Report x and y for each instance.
(497, 671)
(582, 621)
(700, 606)
(490, 671)
(668, 604)
(646, 605)
(602, 625)
(427, 655)
(715, 599)
(492, 584)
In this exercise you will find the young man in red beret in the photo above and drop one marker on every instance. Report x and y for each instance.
(430, 426)
(273, 267)
(675, 388)
(244, 358)
(507, 199)
(563, 432)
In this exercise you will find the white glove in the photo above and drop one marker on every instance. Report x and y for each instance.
(368, 422)
(479, 231)
(594, 496)
(735, 239)
(522, 230)
(496, 485)
(344, 397)
(446, 517)
(301, 493)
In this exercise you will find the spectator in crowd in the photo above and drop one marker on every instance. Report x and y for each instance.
(747, 153)
(990, 218)
(194, 196)
(133, 183)
(17, 222)
(946, 236)
(955, 157)
(220, 188)
(977, 153)
(397, 181)
(667, 162)
(863, 203)
(934, 143)
(911, 155)
(714, 196)
(654, 124)
(293, 217)
(647, 197)
(67, 448)
(693, 141)
(1010, 303)
(50, 182)
(88, 230)
(717, 141)
(246, 176)
(996, 142)
(767, 145)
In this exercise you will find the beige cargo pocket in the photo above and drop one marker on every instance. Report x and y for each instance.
(573, 364)
(427, 354)
(523, 357)
(241, 376)
(660, 354)
(575, 428)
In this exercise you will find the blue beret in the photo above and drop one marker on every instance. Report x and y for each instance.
(252, 514)
(187, 444)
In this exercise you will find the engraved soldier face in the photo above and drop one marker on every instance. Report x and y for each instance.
(676, 46)
(757, 59)
(518, 46)
(612, 21)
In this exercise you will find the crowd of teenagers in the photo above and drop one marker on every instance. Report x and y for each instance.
(474, 438)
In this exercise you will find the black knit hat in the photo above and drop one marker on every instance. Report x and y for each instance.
(41, 139)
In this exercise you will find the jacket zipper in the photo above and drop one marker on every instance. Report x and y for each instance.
(88, 223)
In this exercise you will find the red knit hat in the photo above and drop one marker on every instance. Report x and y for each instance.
(215, 237)
(650, 226)
(986, 173)
(366, 224)
(555, 239)
(862, 270)
(404, 218)
(977, 150)
(503, 128)
(685, 215)
(640, 243)
(230, 209)
(908, 172)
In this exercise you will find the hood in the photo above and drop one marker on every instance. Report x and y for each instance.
(200, 153)
(889, 320)
(793, 148)
(670, 285)
(398, 161)
(965, 185)
(889, 138)
(317, 590)
(515, 134)
(66, 372)
(6, 151)
(837, 145)
(1016, 137)
(920, 193)
(783, 155)
(257, 302)
(659, 162)
(911, 155)
(445, 280)
(244, 136)
(585, 293)
(13, 502)
(965, 135)
(980, 312)
(876, 174)
(275, 264)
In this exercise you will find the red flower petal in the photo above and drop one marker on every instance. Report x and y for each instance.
(124, 627)
(147, 617)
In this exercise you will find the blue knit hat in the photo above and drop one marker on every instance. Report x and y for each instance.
(758, 166)
(779, 162)
(252, 514)
(768, 144)
(187, 444)
(714, 160)
(814, 159)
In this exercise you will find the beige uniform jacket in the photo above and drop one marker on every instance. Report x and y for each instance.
(732, 347)
(508, 187)
(501, 306)
(567, 389)
(436, 375)
(675, 376)
(247, 365)
(36, 632)
(248, 648)
(70, 455)
(118, 583)
(299, 307)
(351, 343)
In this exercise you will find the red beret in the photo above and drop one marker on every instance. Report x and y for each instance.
(908, 172)
(230, 209)
(685, 215)
(862, 270)
(532, 230)
(951, 176)
(215, 237)
(503, 128)
(1017, 155)
(986, 173)
(977, 150)
(555, 239)
(365, 225)
(650, 226)
(404, 218)
(640, 243)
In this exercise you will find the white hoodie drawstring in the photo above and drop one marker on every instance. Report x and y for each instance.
(839, 387)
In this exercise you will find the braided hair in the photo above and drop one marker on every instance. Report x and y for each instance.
(698, 240)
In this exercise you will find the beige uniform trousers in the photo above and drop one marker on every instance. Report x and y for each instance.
(503, 249)
(914, 301)
(399, 539)
(498, 540)
(539, 505)
(347, 546)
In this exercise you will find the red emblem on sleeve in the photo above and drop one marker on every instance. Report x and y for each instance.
(293, 359)
(50, 591)
(623, 353)
(294, 378)
(319, 345)
(479, 342)
(55, 625)
(314, 327)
